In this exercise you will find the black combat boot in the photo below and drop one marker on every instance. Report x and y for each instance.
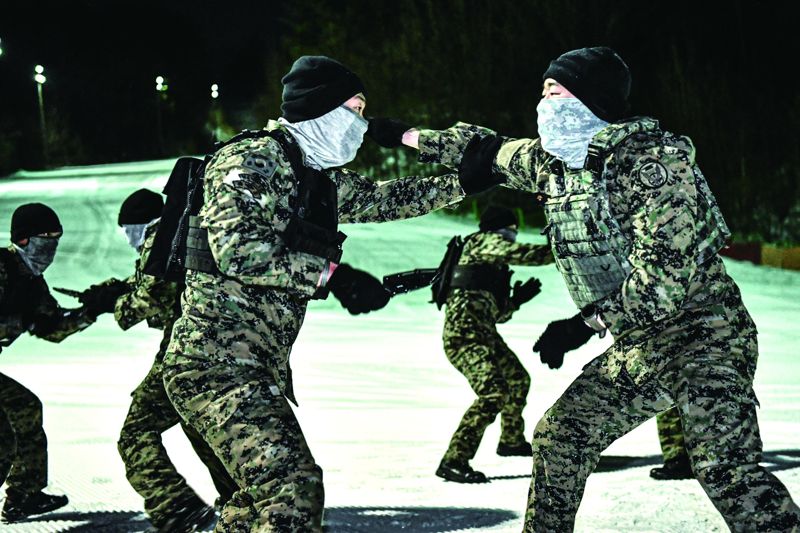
(20, 506)
(521, 449)
(677, 468)
(460, 472)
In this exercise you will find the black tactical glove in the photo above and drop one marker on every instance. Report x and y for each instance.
(387, 132)
(525, 292)
(560, 337)
(101, 298)
(475, 171)
(42, 325)
(357, 291)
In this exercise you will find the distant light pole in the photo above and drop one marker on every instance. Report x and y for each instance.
(161, 94)
(39, 78)
(214, 91)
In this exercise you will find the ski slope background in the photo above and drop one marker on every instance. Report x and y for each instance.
(378, 399)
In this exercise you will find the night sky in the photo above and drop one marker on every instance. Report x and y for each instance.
(721, 72)
(101, 60)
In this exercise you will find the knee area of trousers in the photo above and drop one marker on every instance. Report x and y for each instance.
(124, 444)
(525, 381)
(548, 428)
(34, 408)
(493, 403)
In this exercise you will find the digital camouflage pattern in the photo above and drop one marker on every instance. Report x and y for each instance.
(148, 467)
(709, 379)
(682, 336)
(247, 195)
(227, 370)
(476, 349)
(27, 305)
(23, 452)
(147, 464)
(150, 298)
(670, 435)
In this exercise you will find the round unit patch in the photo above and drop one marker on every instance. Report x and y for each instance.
(653, 174)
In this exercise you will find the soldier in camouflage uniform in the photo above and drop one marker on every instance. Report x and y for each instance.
(171, 505)
(635, 232)
(480, 299)
(26, 305)
(572, 333)
(266, 242)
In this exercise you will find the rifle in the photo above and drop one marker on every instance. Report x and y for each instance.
(410, 280)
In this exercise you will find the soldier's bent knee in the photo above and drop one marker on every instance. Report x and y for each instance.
(35, 407)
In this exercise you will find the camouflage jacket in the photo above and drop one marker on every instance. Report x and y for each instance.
(659, 220)
(151, 299)
(27, 305)
(247, 191)
(472, 314)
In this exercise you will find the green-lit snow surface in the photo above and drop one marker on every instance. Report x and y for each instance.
(378, 400)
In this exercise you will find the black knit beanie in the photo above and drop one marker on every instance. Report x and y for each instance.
(496, 217)
(30, 220)
(316, 85)
(140, 207)
(597, 76)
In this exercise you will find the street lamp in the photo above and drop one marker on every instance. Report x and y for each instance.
(39, 78)
(214, 91)
(1, 47)
(161, 94)
(161, 85)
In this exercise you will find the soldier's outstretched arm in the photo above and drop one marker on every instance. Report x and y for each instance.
(496, 249)
(148, 297)
(54, 323)
(522, 162)
(363, 200)
(663, 205)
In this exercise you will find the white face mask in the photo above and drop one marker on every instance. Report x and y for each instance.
(331, 140)
(135, 234)
(566, 128)
(507, 233)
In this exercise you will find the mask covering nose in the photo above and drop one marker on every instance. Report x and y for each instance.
(38, 254)
(135, 234)
(508, 234)
(566, 127)
(331, 140)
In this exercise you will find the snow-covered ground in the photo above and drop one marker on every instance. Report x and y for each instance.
(378, 399)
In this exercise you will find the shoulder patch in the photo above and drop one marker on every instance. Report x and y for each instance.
(260, 164)
(652, 174)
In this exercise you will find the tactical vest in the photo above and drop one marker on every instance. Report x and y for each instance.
(312, 228)
(588, 244)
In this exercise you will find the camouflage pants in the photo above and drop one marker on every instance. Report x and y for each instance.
(501, 383)
(670, 435)
(710, 383)
(248, 422)
(147, 465)
(23, 445)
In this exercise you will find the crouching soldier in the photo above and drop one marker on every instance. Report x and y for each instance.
(26, 305)
(170, 503)
(479, 299)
